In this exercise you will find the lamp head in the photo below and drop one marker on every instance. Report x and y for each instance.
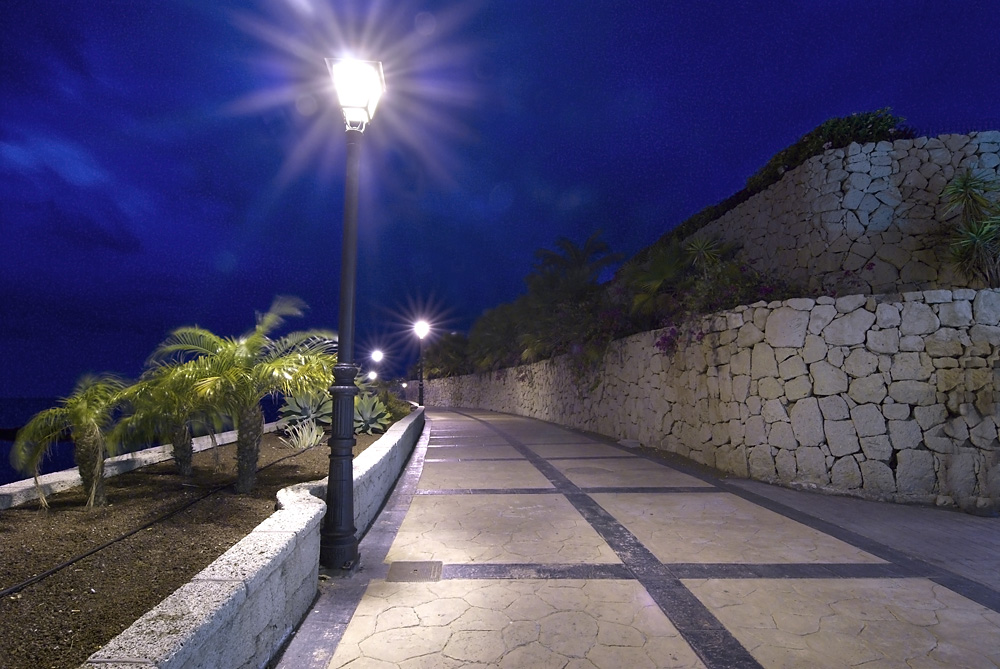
(421, 328)
(359, 85)
(377, 356)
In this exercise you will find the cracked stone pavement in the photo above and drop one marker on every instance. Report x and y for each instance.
(514, 543)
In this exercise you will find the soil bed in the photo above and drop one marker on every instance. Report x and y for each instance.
(60, 621)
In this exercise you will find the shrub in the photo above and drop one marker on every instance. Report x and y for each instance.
(974, 242)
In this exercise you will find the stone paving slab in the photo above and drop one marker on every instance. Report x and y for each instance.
(720, 528)
(577, 450)
(638, 560)
(539, 529)
(627, 472)
(854, 622)
(488, 475)
(457, 452)
(514, 624)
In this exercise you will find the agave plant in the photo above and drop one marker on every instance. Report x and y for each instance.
(974, 243)
(304, 434)
(370, 415)
(315, 407)
(88, 415)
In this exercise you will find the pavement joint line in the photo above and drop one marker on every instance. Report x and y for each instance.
(685, 611)
(978, 592)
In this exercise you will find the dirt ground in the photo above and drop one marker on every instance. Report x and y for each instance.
(60, 621)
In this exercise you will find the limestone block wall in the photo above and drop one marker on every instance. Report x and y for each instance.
(863, 219)
(885, 396)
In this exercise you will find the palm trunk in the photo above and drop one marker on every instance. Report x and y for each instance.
(90, 464)
(250, 429)
(183, 449)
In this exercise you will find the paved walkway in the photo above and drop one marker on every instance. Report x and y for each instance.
(515, 543)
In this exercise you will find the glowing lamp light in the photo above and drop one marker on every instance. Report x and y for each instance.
(372, 375)
(377, 356)
(404, 384)
(359, 85)
(421, 328)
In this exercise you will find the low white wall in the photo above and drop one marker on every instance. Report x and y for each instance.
(19, 492)
(240, 609)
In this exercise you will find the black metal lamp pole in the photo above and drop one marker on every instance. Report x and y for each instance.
(359, 86)
(420, 394)
(338, 546)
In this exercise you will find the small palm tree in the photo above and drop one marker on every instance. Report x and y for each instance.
(88, 415)
(234, 374)
(163, 402)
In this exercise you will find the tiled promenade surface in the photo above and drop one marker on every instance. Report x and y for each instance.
(514, 543)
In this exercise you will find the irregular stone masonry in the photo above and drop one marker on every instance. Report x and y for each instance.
(887, 397)
(863, 219)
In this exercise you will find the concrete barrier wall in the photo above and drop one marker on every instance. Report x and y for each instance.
(887, 397)
(239, 610)
(19, 492)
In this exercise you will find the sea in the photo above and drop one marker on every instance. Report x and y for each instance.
(16, 412)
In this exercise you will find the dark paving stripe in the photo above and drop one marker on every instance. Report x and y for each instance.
(536, 571)
(489, 491)
(684, 610)
(661, 489)
(792, 570)
(435, 459)
(978, 592)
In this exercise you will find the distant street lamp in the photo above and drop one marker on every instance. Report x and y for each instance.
(359, 85)
(377, 356)
(372, 375)
(421, 328)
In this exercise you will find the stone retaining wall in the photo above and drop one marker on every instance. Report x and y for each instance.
(863, 219)
(887, 397)
(239, 611)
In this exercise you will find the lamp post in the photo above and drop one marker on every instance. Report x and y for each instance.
(421, 328)
(359, 85)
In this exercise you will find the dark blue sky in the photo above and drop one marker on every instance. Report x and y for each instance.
(171, 162)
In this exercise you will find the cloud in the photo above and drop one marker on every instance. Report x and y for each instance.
(68, 160)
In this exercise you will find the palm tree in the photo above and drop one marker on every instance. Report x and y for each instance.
(163, 402)
(88, 415)
(234, 374)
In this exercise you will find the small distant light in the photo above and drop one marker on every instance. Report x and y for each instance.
(372, 375)
(404, 384)
(377, 355)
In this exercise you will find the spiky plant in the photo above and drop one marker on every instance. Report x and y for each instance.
(974, 242)
(308, 407)
(88, 415)
(370, 415)
(303, 434)
(233, 374)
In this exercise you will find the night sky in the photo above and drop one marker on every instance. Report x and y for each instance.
(177, 162)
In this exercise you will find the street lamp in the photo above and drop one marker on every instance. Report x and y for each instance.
(359, 85)
(377, 356)
(421, 328)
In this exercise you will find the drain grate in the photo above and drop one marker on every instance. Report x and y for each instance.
(414, 572)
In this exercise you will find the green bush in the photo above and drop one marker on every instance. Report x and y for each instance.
(397, 407)
(836, 133)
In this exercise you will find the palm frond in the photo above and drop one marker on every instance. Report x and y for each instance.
(187, 342)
